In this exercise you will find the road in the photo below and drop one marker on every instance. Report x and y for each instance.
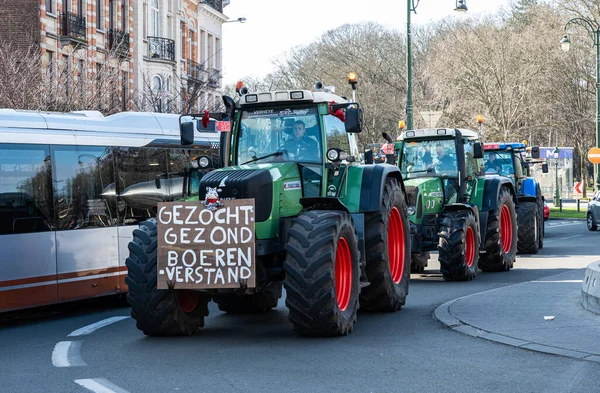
(405, 351)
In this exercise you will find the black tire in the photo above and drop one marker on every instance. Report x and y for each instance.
(496, 258)
(528, 236)
(591, 222)
(159, 312)
(261, 302)
(418, 262)
(310, 266)
(383, 293)
(458, 233)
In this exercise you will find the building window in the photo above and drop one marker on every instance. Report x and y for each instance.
(49, 8)
(125, 90)
(81, 78)
(81, 8)
(191, 50)
(50, 65)
(124, 16)
(111, 14)
(218, 53)
(99, 14)
(154, 19)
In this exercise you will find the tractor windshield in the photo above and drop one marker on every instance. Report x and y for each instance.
(279, 134)
(498, 162)
(429, 157)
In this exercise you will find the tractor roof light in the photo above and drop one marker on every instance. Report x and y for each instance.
(352, 78)
(402, 125)
(238, 86)
(479, 119)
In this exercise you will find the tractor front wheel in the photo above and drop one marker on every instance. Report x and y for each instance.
(418, 262)
(500, 236)
(387, 244)
(159, 312)
(322, 273)
(458, 246)
(528, 239)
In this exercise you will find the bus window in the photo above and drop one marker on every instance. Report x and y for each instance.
(142, 175)
(25, 189)
(83, 177)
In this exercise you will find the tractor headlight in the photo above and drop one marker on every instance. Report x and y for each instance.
(411, 211)
(335, 154)
(203, 162)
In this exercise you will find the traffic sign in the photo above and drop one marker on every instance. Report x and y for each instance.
(577, 188)
(431, 117)
(223, 126)
(594, 155)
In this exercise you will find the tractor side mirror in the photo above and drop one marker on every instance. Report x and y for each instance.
(477, 150)
(544, 168)
(369, 157)
(187, 133)
(535, 152)
(354, 120)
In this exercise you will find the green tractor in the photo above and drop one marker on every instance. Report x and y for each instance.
(453, 208)
(333, 232)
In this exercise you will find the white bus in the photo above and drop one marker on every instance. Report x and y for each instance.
(73, 187)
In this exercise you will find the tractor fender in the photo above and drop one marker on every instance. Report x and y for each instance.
(373, 183)
(491, 190)
(528, 187)
(525, 198)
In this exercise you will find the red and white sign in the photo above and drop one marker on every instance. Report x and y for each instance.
(577, 187)
(223, 126)
(491, 146)
(387, 148)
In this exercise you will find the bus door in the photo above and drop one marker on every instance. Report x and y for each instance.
(28, 275)
(86, 222)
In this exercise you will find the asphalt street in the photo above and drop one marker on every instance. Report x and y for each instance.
(405, 351)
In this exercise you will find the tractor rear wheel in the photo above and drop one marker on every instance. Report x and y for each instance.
(322, 273)
(261, 302)
(500, 236)
(387, 245)
(418, 262)
(458, 246)
(159, 312)
(528, 239)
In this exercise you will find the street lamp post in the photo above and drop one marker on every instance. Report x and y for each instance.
(556, 191)
(565, 43)
(411, 6)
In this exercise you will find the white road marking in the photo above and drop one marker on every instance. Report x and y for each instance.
(67, 354)
(573, 281)
(570, 237)
(563, 224)
(100, 385)
(95, 326)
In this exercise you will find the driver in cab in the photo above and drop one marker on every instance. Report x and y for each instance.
(299, 145)
(443, 162)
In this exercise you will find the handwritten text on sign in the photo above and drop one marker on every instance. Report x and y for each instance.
(200, 248)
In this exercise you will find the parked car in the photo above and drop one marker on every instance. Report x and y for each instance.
(546, 211)
(593, 212)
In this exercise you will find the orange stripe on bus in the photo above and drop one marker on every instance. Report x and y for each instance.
(62, 276)
(27, 297)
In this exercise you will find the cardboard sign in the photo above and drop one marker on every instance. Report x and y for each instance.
(207, 244)
(223, 126)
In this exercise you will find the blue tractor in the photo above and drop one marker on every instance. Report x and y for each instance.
(514, 160)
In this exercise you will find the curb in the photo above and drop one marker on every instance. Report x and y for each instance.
(590, 288)
(443, 314)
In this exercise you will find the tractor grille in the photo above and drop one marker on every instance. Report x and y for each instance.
(243, 184)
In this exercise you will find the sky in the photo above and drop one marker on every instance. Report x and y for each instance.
(274, 26)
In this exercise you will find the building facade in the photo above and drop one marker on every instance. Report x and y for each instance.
(150, 55)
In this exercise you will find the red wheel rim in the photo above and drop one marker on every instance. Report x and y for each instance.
(470, 247)
(343, 274)
(396, 245)
(506, 229)
(188, 300)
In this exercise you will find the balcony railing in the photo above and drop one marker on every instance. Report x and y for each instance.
(161, 48)
(72, 25)
(214, 78)
(118, 41)
(195, 71)
(216, 4)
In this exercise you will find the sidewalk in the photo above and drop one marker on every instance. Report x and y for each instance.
(514, 315)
